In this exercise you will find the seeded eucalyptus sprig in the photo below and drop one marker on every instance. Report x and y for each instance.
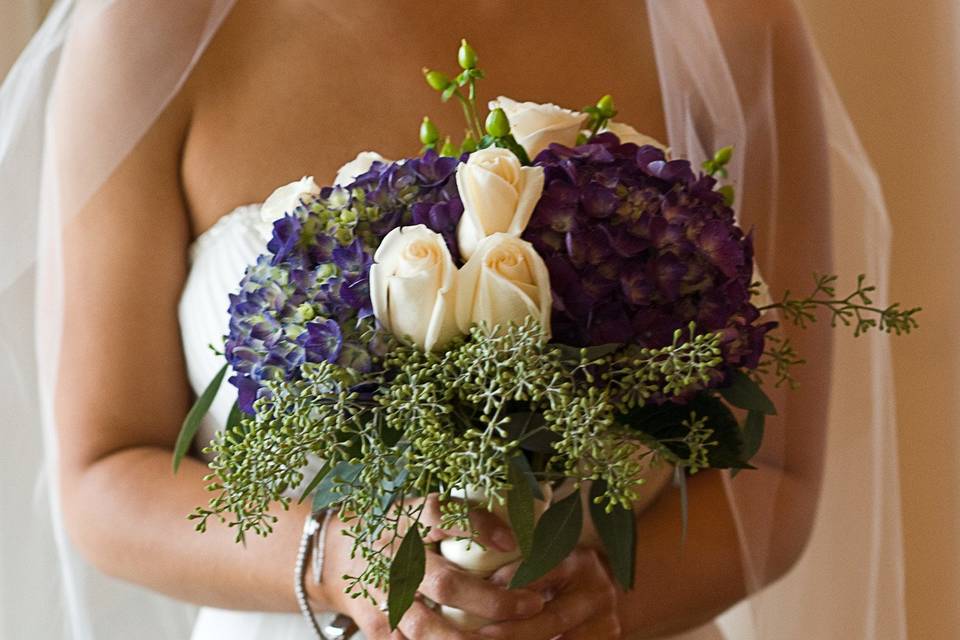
(856, 309)
(426, 422)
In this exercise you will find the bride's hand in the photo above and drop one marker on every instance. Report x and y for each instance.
(443, 583)
(583, 607)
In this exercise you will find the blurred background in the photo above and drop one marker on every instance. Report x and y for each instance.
(897, 66)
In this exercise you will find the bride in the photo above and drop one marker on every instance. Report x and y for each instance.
(166, 125)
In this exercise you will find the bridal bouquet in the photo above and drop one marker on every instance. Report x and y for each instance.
(553, 306)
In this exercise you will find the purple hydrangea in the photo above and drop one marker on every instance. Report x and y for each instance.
(639, 246)
(307, 299)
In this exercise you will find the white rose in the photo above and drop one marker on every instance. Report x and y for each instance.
(284, 200)
(626, 133)
(505, 281)
(498, 195)
(357, 167)
(412, 286)
(537, 125)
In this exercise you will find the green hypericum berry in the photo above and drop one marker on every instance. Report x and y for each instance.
(448, 148)
(466, 56)
(436, 79)
(469, 144)
(428, 132)
(497, 124)
(729, 197)
(723, 156)
(605, 106)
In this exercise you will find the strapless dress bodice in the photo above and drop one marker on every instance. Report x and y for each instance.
(218, 259)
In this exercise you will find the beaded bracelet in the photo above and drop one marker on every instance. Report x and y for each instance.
(310, 527)
(336, 626)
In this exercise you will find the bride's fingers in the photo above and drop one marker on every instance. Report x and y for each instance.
(447, 585)
(422, 622)
(585, 604)
(374, 625)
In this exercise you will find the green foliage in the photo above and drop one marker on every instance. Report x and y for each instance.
(555, 537)
(745, 393)
(617, 529)
(191, 424)
(520, 505)
(406, 573)
(855, 310)
(473, 416)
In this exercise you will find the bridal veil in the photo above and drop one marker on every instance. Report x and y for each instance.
(99, 72)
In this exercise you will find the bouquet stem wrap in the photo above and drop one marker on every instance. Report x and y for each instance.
(483, 562)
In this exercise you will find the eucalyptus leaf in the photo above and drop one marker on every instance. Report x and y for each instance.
(342, 473)
(191, 424)
(555, 536)
(520, 506)
(527, 427)
(744, 393)
(324, 470)
(235, 416)
(406, 573)
(617, 530)
(388, 490)
(664, 423)
(753, 428)
(523, 464)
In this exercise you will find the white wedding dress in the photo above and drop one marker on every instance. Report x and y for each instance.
(218, 259)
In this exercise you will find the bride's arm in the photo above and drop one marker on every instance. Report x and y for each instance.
(122, 392)
(777, 502)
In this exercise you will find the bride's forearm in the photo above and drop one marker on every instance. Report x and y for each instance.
(127, 512)
(683, 586)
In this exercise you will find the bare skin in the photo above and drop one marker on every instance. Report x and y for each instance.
(290, 88)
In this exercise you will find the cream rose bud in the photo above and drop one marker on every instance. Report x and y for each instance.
(535, 126)
(285, 199)
(498, 195)
(413, 287)
(626, 133)
(357, 167)
(504, 281)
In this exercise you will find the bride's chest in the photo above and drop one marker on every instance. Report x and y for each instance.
(291, 88)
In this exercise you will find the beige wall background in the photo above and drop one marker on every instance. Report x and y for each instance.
(897, 65)
(18, 19)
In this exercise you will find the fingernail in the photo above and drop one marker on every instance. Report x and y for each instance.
(503, 539)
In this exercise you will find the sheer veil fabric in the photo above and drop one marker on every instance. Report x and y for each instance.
(97, 75)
